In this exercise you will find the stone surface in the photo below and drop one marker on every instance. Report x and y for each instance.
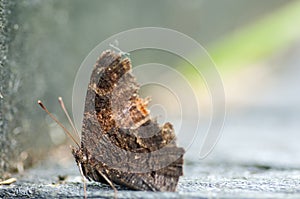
(201, 181)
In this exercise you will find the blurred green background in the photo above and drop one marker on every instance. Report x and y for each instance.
(250, 42)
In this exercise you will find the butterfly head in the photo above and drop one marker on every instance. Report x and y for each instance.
(78, 154)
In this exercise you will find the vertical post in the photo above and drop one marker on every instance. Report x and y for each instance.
(7, 151)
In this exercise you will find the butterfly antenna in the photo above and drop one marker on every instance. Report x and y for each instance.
(61, 102)
(60, 124)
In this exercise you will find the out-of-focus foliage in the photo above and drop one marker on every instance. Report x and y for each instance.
(260, 40)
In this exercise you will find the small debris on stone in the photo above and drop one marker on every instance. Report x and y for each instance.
(8, 181)
(62, 177)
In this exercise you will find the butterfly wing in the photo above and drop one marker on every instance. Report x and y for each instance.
(118, 136)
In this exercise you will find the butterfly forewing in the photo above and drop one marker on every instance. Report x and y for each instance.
(119, 139)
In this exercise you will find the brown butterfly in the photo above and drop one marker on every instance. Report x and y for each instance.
(120, 143)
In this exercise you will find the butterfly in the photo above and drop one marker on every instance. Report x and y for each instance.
(120, 143)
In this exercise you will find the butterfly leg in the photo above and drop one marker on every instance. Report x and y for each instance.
(84, 181)
(110, 183)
